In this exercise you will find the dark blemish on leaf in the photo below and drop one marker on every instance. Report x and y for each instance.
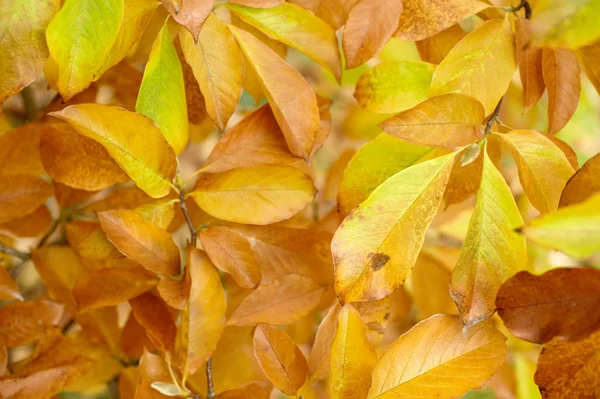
(387, 316)
(378, 260)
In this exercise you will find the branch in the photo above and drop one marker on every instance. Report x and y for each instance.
(210, 393)
(14, 252)
(186, 214)
(493, 118)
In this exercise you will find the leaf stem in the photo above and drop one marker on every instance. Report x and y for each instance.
(13, 252)
(522, 4)
(186, 214)
(210, 392)
(493, 118)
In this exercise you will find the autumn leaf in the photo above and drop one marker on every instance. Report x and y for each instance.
(162, 94)
(175, 292)
(430, 281)
(571, 229)
(444, 351)
(280, 359)
(492, 251)
(435, 48)
(424, 18)
(449, 120)
(562, 77)
(370, 266)
(559, 303)
(352, 359)
(80, 37)
(467, 72)
(24, 322)
(20, 151)
(282, 301)
(394, 86)
(529, 59)
(21, 195)
(189, 13)
(318, 361)
(253, 389)
(146, 158)
(22, 32)
(261, 195)
(8, 287)
(217, 64)
(276, 77)
(370, 24)
(583, 184)
(588, 57)
(152, 313)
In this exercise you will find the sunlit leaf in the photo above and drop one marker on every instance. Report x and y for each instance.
(562, 77)
(318, 362)
(583, 184)
(371, 265)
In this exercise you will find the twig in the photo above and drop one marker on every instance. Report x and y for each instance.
(186, 214)
(49, 233)
(493, 117)
(210, 393)
(29, 104)
(13, 252)
(522, 4)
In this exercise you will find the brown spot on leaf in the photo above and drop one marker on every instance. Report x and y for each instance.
(378, 260)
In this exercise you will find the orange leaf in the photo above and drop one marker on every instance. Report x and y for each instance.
(318, 364)
(134, 338)
(175, 292)
(152, 313)
(435, 48)
(583, 184)
(560, 303)
(189, 13)
(32, 225)
(529, 59)
(562, 77)
(253, 389)
(280, 358)
(141, 241)
(21, 195)
(24, 322)
(370, 24)
(20, 151)
(8, 287)
(282, 301)
(152, 369)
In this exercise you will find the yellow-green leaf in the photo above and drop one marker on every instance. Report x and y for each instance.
(557, 23)
(162, 94)
(352, 359)
(574, 230)
(218, 66)
(80, 37)
(259, 195)
(379, 159)
(377, 244)
(22, 39)
(438, 359)
(297, 28)
(394, 86)
(448, 120)
(492, 251)
(543, 168)
(299, 119)
(481, 65)
(131, 139)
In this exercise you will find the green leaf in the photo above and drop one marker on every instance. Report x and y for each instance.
(162, 94)
(394, 86)
(79, 38)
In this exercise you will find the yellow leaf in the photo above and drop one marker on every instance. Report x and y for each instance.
(589, 57)
(282, 301)
(255, 140)
(162, 94)
(376, 161)
(204, 318)
(565, 24)
(141, 241)
(492, 251)
(486, 52)
(447, 120)
(281, 360)
(80, 37)
(318, 362)
(22, 38)
(334, 12)
(21, 195)
(435, 48)
(259, 195)
(110, 287)
(424, 18)
(352, 358)
(394, 86)
(218, 67)
(574, 230)
(131, 139)
(297, 28)
(231, 253)
(430, 281)
(438, 359)
(189, 13)
(62, 147)
(152, 368)
(377, 245)
(562, 77)
(8, 287)
(299, 120)
(543, 168)
(258, 3)
(583, 184)
(370, 24)
(252, 389)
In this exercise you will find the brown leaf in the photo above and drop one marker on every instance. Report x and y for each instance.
(24, 322)
(3, 357)
(109, 287)
(529, 59)
(318, 363)
(77, 161)
(280, 358)
(8, 287)
(189, 13)
(141, 241)
(560, 303)
(583, 184)
(282, 301)
(370, 24)
(175, 292)
(231, 253)
(589, 57)
(252, 389)
(21, 195)
(152, 313)
(562, 77)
